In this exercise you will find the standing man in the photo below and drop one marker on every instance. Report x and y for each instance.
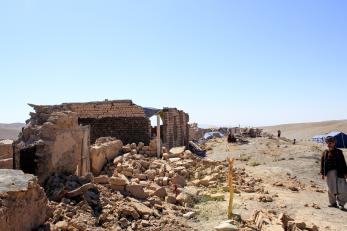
(278, 138)
(333, 167)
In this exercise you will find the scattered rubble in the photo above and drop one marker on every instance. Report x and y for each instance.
(135, 190)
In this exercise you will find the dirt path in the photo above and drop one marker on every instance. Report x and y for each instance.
(289, 175)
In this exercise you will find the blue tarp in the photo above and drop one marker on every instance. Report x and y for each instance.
(209, 135)
(341, 138)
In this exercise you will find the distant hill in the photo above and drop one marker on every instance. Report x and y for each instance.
(10, 131)
(307, 130)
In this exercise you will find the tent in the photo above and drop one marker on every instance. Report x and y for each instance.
(209, 135)
(341, 138)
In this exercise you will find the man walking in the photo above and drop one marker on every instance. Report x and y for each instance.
(333, 167)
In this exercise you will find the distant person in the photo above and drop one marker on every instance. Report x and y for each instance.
(278, 138)
(294, 141)
(333, 167)
(231, 138)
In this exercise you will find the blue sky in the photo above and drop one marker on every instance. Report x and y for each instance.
(249, 62)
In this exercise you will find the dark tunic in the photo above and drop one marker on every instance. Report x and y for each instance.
(333, 160)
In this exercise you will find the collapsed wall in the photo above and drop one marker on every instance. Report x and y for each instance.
(23, 202)
(6, 154)
(49, 143)
(175, 127)
(118, 118)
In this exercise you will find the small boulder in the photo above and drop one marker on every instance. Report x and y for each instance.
(176, 152)
(226, 226)
(136, 191)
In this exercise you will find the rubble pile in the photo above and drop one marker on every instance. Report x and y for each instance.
(246, 183)
(265, 220)
(135, 191)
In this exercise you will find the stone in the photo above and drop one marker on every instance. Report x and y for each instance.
(160, 192)
(133, 146)
(166, 156)
(140, 145)
(141, 176)
(102, 179)
(179, 180)
(23, 201)
(226, 226)
(165, 181)
(126, 149)
(189, 215)
(136, 191)
(61, 225)
(145, 223)
(150, 174)
(272, 228)
(176, 151)
(126, 211)
(171, 199)
(101, 153)
(218, 197)
(187, 154)
(175, 159)
(141, 208)
(118, 159)
(118, 181)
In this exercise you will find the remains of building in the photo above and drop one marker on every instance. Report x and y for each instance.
(103, 167)
(56, 138)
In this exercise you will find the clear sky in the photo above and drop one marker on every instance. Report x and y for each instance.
(248, 62)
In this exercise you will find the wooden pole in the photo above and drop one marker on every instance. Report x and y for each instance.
(158, 137)
(231, 187)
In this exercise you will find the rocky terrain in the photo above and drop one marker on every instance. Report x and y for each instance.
(276, 187)
(284, 180)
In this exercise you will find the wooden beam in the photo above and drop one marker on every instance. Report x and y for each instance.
(158, 137)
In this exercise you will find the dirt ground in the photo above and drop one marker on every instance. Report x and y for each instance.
(290, 176)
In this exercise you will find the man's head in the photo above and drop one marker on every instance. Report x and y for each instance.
(331, 142)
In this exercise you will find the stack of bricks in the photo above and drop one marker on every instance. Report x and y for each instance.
(175, 127)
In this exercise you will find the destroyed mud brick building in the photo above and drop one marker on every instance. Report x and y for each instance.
(56, 139)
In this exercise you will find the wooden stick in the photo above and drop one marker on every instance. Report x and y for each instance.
(231, 187)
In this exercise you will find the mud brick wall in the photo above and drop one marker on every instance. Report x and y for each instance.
(175, 127)
(118, 118)
(126, 129)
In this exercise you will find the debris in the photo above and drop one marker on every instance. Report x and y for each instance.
(226, 226)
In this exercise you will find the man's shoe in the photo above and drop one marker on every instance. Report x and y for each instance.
(332, 206)
(342, 208)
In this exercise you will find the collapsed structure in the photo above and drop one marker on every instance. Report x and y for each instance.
(124, 120)
(57, 138)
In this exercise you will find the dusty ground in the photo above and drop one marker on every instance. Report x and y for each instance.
(302, 194)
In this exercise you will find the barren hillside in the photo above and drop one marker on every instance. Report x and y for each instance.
(10, 131)
(307, 130)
